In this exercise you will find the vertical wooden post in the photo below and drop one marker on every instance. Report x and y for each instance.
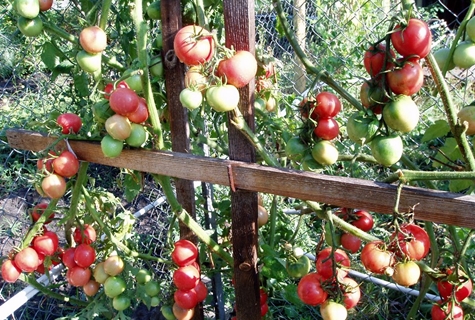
(239, 24)
(179, 127)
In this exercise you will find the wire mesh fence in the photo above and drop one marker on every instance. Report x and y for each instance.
(334, 36)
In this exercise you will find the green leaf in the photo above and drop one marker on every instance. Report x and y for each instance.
(448, 152)
(81, 84)
(459, 185)
(50, 56)
(132, 184)
(290, 294)
(438, 129)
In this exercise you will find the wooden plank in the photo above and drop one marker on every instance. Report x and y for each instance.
(433, 205)
(240, 34)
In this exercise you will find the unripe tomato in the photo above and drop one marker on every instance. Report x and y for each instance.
(406, 273)
(93, 39)
(118, 127)
(138, 135)
(325, 153)
(111, 147)
(361, 128)
(89, 62)
(441, 56)
(121, 302)
(191, 98)
(54, 186)
(223, 98)
(152, 288)
(467, 114)
(401, 114)
(464, 55)
(28, 9)
(331, 310)
(30, 27)
(114, 286)
(387, 150)
(154, 11)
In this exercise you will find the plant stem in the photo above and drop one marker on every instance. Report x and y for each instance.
(35, 229)
(415, 175)
(273, 221)
(106, 6)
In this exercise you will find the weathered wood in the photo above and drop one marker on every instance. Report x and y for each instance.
(240, 34)
(433, 205)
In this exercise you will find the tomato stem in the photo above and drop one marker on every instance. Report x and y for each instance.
(106, 6)
(273, 221)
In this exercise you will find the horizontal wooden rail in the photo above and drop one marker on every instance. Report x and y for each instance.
(432, 205)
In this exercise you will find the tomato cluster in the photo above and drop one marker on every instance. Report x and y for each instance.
(190, 290)
(196, 48)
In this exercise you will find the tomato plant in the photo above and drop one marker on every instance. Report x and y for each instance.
(193, 45)
(413, 38)
(239, 69)
(184, 253)
(69, 122)
(66, 164)
(310, 290)
(376, 258)
(84, 255)
(10, 272)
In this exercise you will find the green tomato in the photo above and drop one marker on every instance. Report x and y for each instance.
(28, 9)
(167, 312)
(158, 43)
(134, 82)
(464, 54)
(325, 153)
(295, 149)
(299, 268)
(470, 29)
(152, 288)
(467, 114)
(143, 276)
(114, 286)
(154, 10)
(361, 128)
(30, 27)
(89, 62)
(441, 56)
(111, 147)
(121, 302)
(387, 150)
(156, 67)
(154, 301)
(401, 114)
(191, 99)
(138, 135)
(223, 98)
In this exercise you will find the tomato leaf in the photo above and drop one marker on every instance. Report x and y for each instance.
(459, 185)
(132, 184)
(449, 150)
(50, 56)
(81, 84)
(290, 294)
(436, 130)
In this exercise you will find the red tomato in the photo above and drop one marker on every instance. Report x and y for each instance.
(124, 101)
(362, 220)
(463, 286)
(45, 4)
(84, 234)
(141, 114)
(310, 290)
(374, 59)
(439, 312)
(38, 210)
(201, 291)
(264, 309)
(193, 45)
(239, 69)
(110, 87)
(184, 253)
(324, 263)
(84, 255)
(185, 299)
(45, 165)
(93, 39)
(66, 164)
(27, 260)
(186, 278)
(327, 129)
(406, 80)
(373, 95)
(70, 122)
(327, 105)
(78, 277)
(413, 241)
(91, 288)
(375, 258)
(350, 242)
(262, 296)
(68, 258)
(10, 272)
(46, 244)
(351, 292)
(413, 39)
(54, 186)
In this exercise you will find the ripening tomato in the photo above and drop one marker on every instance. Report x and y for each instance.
(376, 258)
(351, 292)
(66, 164)
(54, 186)
(196, 79)
(84, 255)
(68, 258)
(448, 311)
(350, 242)
(406, 273)
(186, 278)
(141, 113)
(78, 276)
(91, 288)
(45, 5)
(193, 45)
(99, 273)
(324, 263)
(46, 244)
(69, 122)
(331, 310)
(327, 105)
(310, 289)
(38, 210)
(406, 79)
(239, 69)
(45, 165)
(262, 216)
(84, 234)
(467, 115)
(118, 127)
(414, 38)
(10, 272)
(182, 314)
(327, 129)
(375, 59)
(27, 259)
(184, 253)
(124, 101)
(372, 95)
(93, 39)
(114, 265)
(413, 241)
(325, 152)
(401, 114)
(462, 283)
